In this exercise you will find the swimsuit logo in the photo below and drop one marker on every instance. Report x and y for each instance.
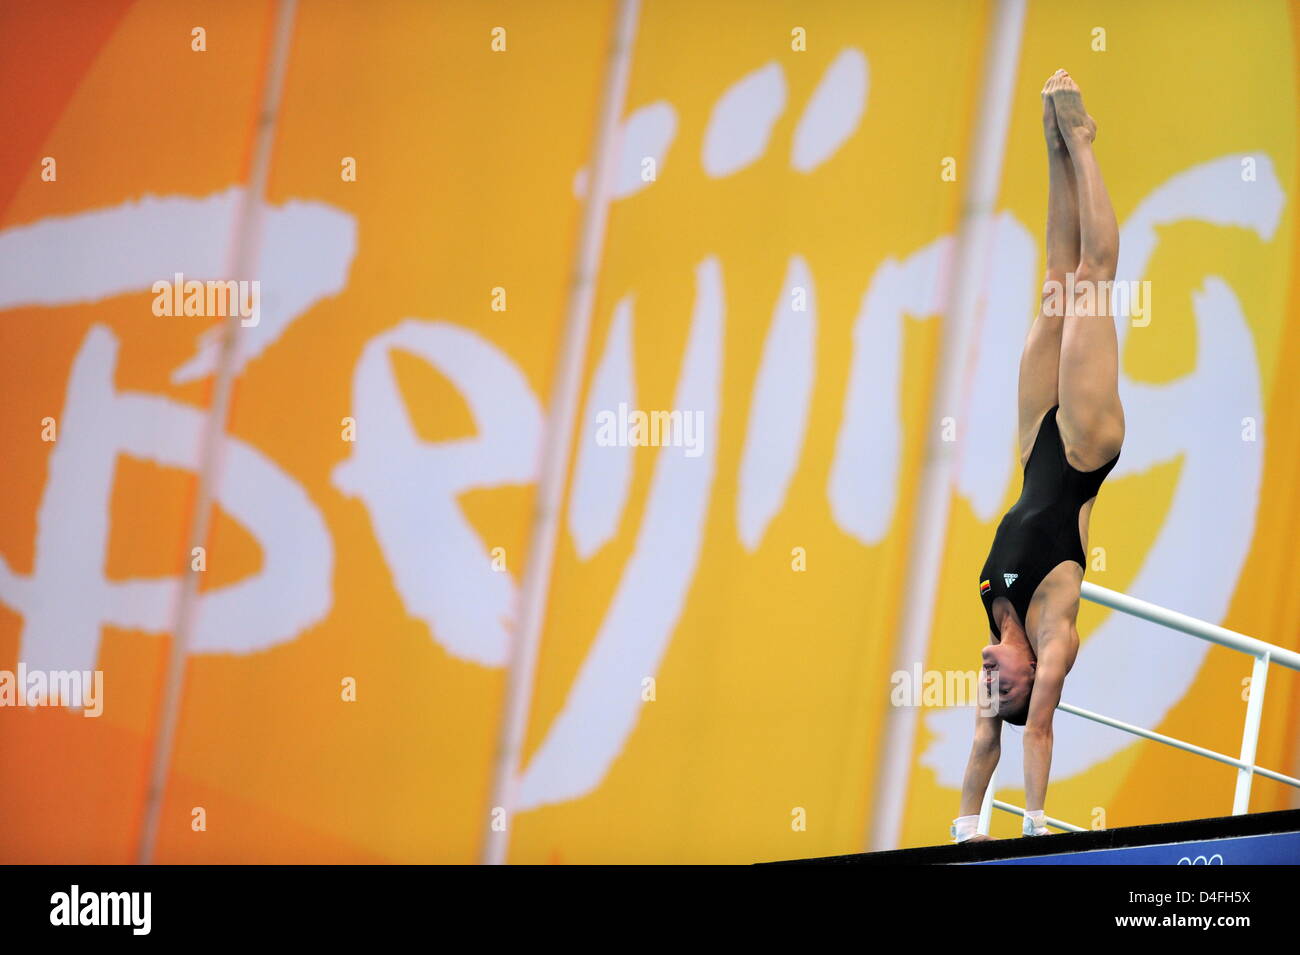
(985, 587)
(1010, 578)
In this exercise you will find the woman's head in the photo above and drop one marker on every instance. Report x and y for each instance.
(1014, 666)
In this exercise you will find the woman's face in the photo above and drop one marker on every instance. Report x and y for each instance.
(1013, 668)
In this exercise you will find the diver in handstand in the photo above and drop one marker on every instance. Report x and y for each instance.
(1071, 428)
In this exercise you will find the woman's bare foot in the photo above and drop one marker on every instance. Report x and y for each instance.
(1052, 132)
(1072, 119)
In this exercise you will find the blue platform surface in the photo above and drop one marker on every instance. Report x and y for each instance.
(1275, 849)
(1259, 838)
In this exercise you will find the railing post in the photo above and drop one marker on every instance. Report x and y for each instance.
(1250, 734)
(986, 810)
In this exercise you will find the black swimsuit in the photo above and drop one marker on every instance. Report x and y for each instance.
(1041, 530)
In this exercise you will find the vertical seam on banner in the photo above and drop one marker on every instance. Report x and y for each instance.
(951, 388)
(558, 438)
(244, 253)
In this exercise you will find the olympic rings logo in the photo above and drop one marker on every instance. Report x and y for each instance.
(1201, 860)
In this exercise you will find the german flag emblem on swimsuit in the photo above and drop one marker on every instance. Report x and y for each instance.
(985, 587)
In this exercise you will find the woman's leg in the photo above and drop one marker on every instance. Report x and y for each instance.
(1041, 359)
(1091, 417)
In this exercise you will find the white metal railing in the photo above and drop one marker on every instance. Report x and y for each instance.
(1263, 653)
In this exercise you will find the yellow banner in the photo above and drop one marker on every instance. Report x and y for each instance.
(395, 245)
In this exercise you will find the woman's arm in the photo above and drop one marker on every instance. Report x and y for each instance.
(1049, 678)
(984, 753)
